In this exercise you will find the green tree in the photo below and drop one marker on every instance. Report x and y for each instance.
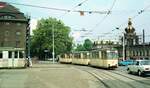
(88, 44)
(42, 38)
(80, 47)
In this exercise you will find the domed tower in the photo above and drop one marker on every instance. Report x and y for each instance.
(130, 35)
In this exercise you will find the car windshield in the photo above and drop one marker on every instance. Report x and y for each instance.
(145, 63)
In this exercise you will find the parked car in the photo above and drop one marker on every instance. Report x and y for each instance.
(141, 67)
(125, 62)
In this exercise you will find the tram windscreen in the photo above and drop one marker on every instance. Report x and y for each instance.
(112, 55)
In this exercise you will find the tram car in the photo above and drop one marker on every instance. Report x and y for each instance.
(106, 58)
(82, 58)
(66, 58)
(13, 58)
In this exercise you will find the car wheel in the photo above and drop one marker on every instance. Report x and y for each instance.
(129, 71)
(139, 73)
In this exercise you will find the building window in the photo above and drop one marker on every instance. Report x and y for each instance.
(18, 33)
(147, 52)
(1, 55)
(16, 54)
(6, 33)
(10, 54)
(20, 54)
(7, 17)
(17, 43)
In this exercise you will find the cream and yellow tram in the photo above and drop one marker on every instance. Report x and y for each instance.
(82, 58)
(106, 58)
(12, 58)
(66, 58)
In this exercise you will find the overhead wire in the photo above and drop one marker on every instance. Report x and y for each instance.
(133, 17)
(103, 19)
(60, 9)
(136, 15)
(71, 10)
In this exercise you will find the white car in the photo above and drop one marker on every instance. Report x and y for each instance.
(141, 67)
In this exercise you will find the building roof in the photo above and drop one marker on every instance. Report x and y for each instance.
(11, 12)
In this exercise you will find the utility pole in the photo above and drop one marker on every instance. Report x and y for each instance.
(53, 44)
(123, 51)
(123, 44)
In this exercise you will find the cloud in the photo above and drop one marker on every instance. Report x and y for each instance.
(76, 35)
(33, 24)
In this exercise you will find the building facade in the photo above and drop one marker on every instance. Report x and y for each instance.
(14, 32)
(134, 49)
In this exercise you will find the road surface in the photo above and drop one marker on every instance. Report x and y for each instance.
(69, 76)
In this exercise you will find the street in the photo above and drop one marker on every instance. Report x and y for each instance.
(69, 76)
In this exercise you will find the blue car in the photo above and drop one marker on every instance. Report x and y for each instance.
(125, 62)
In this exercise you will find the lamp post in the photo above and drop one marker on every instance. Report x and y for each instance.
(53, 53)
(123, 52)
(123, 45)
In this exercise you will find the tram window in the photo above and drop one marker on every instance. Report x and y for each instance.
(1, 55)
(77, 55)
(20, 55)
(104, 55)
(95, 55)
(84, 55)
(10, 54)
(112, 55)
(16, 54)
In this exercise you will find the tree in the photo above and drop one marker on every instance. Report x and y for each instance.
(88, 44)
(80, 47)
(42, 38)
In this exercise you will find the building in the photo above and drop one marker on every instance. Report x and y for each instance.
(14, 32)
(134, 49)
(105, 44)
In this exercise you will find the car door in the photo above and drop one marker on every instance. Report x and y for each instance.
(133, 66)
(136, 66)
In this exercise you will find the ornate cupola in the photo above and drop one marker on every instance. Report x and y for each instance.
(130, 35)
(130, 28)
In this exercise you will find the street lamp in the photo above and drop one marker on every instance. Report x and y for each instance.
(123, 45)
(53, 53)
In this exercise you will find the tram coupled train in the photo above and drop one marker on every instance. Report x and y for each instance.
(106, 58)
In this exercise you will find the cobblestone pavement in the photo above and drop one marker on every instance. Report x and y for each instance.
(48, 75)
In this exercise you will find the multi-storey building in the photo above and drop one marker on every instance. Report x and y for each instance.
(14, 32)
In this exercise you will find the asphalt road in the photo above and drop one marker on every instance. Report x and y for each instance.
(69, 76)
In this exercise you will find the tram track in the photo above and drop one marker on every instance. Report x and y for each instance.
(96, 76)
(100, 74)
(102, 77)
(118, 79)
(130, 77)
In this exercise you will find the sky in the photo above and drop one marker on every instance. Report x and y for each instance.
(98, 26)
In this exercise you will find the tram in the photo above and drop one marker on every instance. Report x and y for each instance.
(82, 58)
(104, 58)
(66, 58)
(12, 58)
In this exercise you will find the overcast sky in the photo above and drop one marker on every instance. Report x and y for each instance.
(121, 11)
